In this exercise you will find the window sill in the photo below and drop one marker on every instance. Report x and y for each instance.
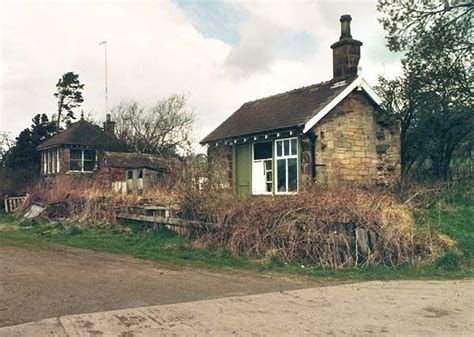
(80, 172)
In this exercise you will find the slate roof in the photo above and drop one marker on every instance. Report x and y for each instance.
(134, 161)
(86, 134)
(282, 111)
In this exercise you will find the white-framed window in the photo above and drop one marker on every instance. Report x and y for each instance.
(286, 159)
(50, 159)
(262, 168)
(81, 160)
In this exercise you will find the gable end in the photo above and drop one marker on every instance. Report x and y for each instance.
(358, 83)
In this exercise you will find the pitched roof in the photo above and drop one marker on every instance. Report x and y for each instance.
(295, 108)
(86, 134)
(134, 160)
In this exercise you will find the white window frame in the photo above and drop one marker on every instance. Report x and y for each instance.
(82, 161)
(286, 157)
(58, 161)
(49, 163)
(272, 170)
(45, 167)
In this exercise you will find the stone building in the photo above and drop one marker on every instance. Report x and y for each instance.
(85, 151)
(334, 130)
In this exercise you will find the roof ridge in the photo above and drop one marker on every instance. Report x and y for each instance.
(289, 91)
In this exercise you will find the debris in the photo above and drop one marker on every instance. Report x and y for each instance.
(34, 211)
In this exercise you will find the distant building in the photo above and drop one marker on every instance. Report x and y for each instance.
(334, 130)
(85, 151)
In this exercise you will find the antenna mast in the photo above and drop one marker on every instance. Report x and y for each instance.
(106, 94)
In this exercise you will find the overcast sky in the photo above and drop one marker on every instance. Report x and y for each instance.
(220, 54)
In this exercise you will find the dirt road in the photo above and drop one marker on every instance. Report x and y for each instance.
(42, 283)
(395, 308)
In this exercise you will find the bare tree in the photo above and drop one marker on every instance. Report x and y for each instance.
(164, 128)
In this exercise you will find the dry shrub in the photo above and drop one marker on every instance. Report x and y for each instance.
(84, 199)
(344, 225)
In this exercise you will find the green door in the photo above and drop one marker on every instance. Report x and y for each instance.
(242, 169)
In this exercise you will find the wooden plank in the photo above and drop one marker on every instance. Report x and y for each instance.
(158, 208)
(167, 221)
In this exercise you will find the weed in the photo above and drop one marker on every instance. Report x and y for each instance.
(450, 260)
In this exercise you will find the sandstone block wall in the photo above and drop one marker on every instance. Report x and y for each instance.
(355, 143)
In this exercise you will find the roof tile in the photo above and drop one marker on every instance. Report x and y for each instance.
(282, 111)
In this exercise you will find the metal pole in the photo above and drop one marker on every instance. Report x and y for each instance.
(106, 93)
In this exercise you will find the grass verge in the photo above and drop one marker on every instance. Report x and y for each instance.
(451, 212)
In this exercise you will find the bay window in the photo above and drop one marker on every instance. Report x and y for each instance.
(50, 159)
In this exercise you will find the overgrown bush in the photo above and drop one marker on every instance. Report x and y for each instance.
(338, 226)
(85, 200)
(334, 227)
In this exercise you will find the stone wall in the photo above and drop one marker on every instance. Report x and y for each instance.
(307, 169)
(355, 143)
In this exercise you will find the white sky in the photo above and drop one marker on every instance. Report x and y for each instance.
(219, 54)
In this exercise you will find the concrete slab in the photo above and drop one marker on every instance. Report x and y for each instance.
(434, 308)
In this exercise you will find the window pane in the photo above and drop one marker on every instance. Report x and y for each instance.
(268, 165)
(75, 165)
(89, 155)
(89, 165)
(75, 154)
(286, 145)
(292, 175)
(129, 174)
(262, 150)
(269, 187)
(294, 147)
(281, 167)
(49, 161)
(53, 161)
(279, 148)
(140, 174)
(269, 177)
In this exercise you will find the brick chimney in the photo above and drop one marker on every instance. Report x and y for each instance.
(109, 125)
(345, 52)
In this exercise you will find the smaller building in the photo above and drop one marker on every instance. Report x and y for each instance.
(85, 151)
(133, 172)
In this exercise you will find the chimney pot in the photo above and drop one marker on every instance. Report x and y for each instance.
(345, 26)
(346, 52)
(109, 125)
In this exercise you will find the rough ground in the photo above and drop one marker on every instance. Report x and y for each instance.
(433, 308)
(41, 283)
